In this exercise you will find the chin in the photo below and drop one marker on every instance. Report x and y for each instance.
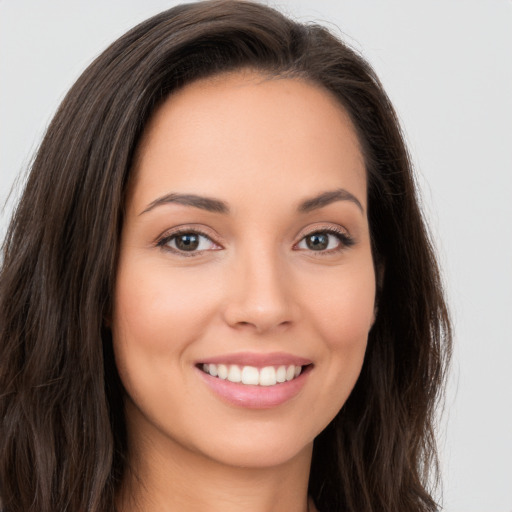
(262, 455)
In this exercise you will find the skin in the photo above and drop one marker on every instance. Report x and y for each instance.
(262, 146)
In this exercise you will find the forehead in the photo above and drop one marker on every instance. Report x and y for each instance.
(254, 131)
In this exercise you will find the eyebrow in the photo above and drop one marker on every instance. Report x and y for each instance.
(326, 198)
(217, 206)
(204, 203)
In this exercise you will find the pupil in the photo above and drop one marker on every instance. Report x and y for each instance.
(317, 242)
(187, 242)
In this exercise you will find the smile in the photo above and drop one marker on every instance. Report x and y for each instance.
(252, 376)
(255, 381)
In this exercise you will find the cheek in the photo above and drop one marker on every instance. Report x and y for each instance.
(158, 315)
(158, 308)
(159, 312)
(343, 307)
(342, 310)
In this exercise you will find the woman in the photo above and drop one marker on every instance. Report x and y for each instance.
(217, 289)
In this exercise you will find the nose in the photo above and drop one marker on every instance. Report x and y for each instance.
(260, 294)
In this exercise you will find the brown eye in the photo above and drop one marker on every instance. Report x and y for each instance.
(317, 241)
(325, 241)
(187, 242)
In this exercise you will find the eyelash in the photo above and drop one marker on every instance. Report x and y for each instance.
(162, 243)
(344, 239)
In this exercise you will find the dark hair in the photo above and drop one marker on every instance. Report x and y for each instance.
(62, 437)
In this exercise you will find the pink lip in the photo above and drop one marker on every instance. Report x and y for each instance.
(257, 360)
(255, 397)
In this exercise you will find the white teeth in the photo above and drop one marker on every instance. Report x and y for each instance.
(281, 374)
(268, 376)
(234, 375)
(290, 372)
(250, 375)
(222, 371)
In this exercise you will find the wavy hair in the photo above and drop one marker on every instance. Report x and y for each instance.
(62, 434)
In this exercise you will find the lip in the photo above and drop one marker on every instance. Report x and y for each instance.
(257, 397)
(257, 360)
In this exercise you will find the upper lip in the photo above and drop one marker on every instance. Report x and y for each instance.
(257, 359)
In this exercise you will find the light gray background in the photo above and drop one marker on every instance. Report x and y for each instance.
(447, 66)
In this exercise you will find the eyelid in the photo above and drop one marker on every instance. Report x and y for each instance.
(345, 238)
(171, 233)
(324, 227)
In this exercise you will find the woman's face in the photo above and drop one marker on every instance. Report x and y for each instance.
(245, 254)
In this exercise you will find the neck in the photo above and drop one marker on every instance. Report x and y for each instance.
(166, 477)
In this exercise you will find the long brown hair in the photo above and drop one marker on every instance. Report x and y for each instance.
(62, 437)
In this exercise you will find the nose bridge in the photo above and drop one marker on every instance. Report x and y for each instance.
(259, 290)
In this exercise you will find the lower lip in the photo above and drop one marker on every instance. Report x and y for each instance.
(255, 397)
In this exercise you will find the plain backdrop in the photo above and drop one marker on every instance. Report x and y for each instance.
(447, 66)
